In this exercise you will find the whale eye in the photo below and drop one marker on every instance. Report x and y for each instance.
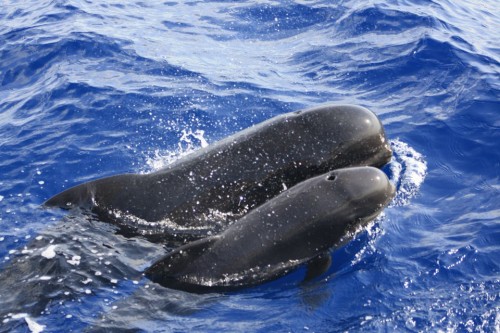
(331, 177)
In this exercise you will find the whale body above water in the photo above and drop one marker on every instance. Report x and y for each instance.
(239, 172)
(293, 187)
(298, 226)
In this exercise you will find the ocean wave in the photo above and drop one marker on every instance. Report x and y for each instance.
(93, 89)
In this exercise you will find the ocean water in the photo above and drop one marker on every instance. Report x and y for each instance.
(91, 89)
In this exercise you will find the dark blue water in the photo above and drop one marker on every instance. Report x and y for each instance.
(90, 89)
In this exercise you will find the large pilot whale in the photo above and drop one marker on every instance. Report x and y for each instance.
(299, 225)
(238, 173)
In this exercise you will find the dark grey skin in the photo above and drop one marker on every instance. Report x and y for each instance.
(240, 172)
(299, 225)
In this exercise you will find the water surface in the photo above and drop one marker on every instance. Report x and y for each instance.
(90, 89)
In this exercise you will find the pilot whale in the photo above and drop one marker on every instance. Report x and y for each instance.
(298, 226)
(240, 172)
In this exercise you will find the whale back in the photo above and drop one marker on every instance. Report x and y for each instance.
(239, 172)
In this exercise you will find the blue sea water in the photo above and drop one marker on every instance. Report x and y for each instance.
(90, 89)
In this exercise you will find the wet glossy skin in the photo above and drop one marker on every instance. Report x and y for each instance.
(290, 229)
(242, 171)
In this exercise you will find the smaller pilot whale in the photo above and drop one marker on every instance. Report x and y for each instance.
(237, 173)
(298, 226)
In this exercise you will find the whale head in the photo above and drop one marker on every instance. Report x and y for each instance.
(355, 196)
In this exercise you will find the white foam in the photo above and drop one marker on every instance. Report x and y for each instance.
(206, 222)
(189, 142)
(237, 278)
(26, 251)
(88, 280)
(75, 260)
(19, 315)
(198, 135)
(49, 252)
(374, 231)
(32, 325)
(409, 169)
